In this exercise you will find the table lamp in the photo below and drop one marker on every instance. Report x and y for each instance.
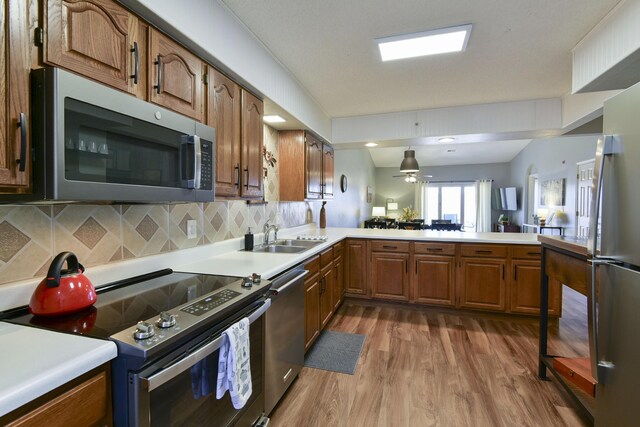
(377, 212)
(392, 207)
(542, 217)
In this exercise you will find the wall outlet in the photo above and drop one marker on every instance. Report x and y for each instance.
(191, 229)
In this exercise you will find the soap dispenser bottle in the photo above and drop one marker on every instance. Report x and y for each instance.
(248, 240)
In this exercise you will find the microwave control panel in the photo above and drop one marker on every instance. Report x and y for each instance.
(206, 153)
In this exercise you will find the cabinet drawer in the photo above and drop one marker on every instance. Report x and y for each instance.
(435, 248)
(326, 258)
(338, 250)
(313, 265)
(389, 246)
(492, 251)
(526, 252)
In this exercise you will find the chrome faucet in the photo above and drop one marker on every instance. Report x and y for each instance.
(267, 230)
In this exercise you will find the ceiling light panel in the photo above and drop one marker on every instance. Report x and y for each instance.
(273, 119)
(433, 42)
(370, 144)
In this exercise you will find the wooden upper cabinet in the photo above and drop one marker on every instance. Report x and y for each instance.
(99, 39)
(327, 171)
(313, 158)
(15, 61)
(224, 107)
(252, 142)
(175, 76)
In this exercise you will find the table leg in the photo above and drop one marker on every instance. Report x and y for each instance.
(544, 318)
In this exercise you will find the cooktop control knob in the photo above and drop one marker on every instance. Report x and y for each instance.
(166, 320)
(255, 278)
(247, 282)
(143, 331)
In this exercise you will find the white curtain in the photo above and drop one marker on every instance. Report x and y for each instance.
(483, 203)
(421, 199)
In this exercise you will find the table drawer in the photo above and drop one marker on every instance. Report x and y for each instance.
(526, 252)
(313, 265)
(490, 251)
(435, 248)
(389, 246)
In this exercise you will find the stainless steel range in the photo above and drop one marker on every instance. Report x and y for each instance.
(167, 327)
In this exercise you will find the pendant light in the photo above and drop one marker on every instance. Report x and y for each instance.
(409, 163)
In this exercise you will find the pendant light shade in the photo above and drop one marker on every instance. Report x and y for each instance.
(409, 163)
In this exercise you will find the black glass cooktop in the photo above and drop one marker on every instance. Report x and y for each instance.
(120, 306)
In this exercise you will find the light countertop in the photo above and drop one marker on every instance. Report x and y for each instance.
(34, 361)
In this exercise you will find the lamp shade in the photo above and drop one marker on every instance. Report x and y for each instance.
(392, 206)
(378, 211)
(542, 213)
(409, 163)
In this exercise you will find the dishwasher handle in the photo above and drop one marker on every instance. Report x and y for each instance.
(282, 288)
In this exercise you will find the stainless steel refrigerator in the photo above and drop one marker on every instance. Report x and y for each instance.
(615, 247)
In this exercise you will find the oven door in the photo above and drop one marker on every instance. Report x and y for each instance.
(184, 393)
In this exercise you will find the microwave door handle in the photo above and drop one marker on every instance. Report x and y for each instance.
(197, 161)
(187, 162)
(167, 374)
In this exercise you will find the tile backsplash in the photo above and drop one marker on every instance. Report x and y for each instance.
(30, 236)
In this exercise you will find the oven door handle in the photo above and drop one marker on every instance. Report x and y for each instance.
(167, 374)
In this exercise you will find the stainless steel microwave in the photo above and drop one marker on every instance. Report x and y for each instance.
(93, 143)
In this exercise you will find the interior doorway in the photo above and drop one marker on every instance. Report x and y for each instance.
(584, 194)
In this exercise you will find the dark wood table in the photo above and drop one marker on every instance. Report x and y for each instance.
(566, 260)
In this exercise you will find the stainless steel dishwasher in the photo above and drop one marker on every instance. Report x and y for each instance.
(284, 335)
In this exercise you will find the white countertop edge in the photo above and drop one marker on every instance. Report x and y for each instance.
(48, 379)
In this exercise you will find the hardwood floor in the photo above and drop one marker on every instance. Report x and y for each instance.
(438, 367)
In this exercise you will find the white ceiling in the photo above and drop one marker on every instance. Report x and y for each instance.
(518, 50)
(439, 155)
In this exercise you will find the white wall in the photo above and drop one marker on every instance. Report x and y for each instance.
(350, 209)
(553, 158)
(212, 31)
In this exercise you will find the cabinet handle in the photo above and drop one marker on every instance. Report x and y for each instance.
(416, 266)
(483, 252)
(533, 253)
(434, 249)
(502, 271)
(22, 124)
(515, 274)
(336, 272)
(159, 86)
(406, 266)
(136, 67)
(237, 168)
(246, 182)
(389, 247)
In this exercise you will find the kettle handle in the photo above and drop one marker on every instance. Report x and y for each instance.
(55, 269)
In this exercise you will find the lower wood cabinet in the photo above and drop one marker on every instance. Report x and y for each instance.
(482, 283)
(355, 267)
(525, 289)
(433, 280)
(311, 310)
(390, 276)
(327, 280)
(85, 401)
(338, 286)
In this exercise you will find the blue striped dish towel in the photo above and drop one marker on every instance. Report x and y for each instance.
(234, 368)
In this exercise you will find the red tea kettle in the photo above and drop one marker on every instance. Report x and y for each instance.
(63, 291)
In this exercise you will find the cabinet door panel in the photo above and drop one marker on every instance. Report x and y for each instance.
(313, 167)
(327, 171)
(176, 76)
(389, 276)
(356, 267)
(525, 289)
(90, 37)
(252, 142)
(15, 57)
(338, 286)
(224, 115)
(327, 277)
(434, 280)
(311, 311)
(483, 284)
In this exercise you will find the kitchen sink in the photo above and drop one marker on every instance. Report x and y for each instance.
(296, 242)
(280, 249)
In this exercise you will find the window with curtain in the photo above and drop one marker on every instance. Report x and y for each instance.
(455, 201)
